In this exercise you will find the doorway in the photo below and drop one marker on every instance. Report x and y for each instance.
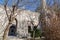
(12, 30)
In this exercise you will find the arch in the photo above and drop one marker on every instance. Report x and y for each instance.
(12, 30)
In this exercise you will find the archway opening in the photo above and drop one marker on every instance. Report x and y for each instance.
(12, 30)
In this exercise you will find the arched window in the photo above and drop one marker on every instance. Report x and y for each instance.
(12, 30)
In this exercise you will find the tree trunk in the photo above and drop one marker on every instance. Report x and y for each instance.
(5, 35)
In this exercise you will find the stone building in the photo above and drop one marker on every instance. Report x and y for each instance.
(24, 18)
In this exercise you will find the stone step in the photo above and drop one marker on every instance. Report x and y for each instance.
(14, 38)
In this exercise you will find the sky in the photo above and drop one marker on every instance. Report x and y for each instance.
(31, 5)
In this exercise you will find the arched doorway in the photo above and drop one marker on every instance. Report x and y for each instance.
(12, 30)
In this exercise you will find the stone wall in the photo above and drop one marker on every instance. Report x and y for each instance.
(24, 18)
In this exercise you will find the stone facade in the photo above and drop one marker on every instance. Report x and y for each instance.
(24, 18)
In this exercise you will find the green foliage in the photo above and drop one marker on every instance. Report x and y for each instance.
(37, 32)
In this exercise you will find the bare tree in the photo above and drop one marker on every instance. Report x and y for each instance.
(10, 17)
(50, 29)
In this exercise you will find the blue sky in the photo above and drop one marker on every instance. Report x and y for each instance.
(1, 1)
(32, 5)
